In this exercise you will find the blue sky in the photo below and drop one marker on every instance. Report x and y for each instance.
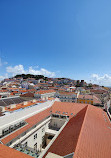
(61, 38)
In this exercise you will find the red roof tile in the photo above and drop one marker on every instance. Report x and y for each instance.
(29, 94)
(45, 91)
(66, 108)
(95, 136)
(6, 152)
(66, 142)
(67, 93)
(88, 135)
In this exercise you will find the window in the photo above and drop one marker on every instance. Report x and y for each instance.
(35, 136)
(35, 146)
(62, 116)
(43, 138)
(43, 129)
(25, 144)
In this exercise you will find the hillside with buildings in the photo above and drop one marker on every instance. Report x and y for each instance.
(39, 115)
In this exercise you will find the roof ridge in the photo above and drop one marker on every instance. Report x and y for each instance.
(75, 120)
(82, 126)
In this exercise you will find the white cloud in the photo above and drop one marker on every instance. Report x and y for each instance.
(104, 80)
(19, 69)
(3, 77)
(42, 71)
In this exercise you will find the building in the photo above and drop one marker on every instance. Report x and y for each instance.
(10, 102)
(56, 129)
(44, 94)
(89, 99)
(67, 96)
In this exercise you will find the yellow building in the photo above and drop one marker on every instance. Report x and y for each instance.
(85, 99)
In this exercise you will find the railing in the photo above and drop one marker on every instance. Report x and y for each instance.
(24, 133)
(27, 150)
(60, 116)
(12, 128)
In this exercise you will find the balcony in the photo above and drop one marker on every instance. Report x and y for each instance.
(27, 151)
(12, 128)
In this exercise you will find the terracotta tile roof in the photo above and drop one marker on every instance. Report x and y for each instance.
(22, 91)
(66, 108)
(95, 136)
(51, 87)
(95, 99)
(6, 152)
(98, 91)
(38, 117)
(31, 122)
(67, 140)
(18, 106)
(88, 135)
(3, 90)
(85, 96)
(31, 90)
(29, 94)
(67, 93)
(51, 98)
(11, 93)
(45, 91)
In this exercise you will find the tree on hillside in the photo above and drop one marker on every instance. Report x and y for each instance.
(78, 83)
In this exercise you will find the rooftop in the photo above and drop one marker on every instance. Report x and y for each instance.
(66, 108)
(6, 152)
(67, 140)
(45, 91)
(87, 134)
(23, 114)
(31, 122)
